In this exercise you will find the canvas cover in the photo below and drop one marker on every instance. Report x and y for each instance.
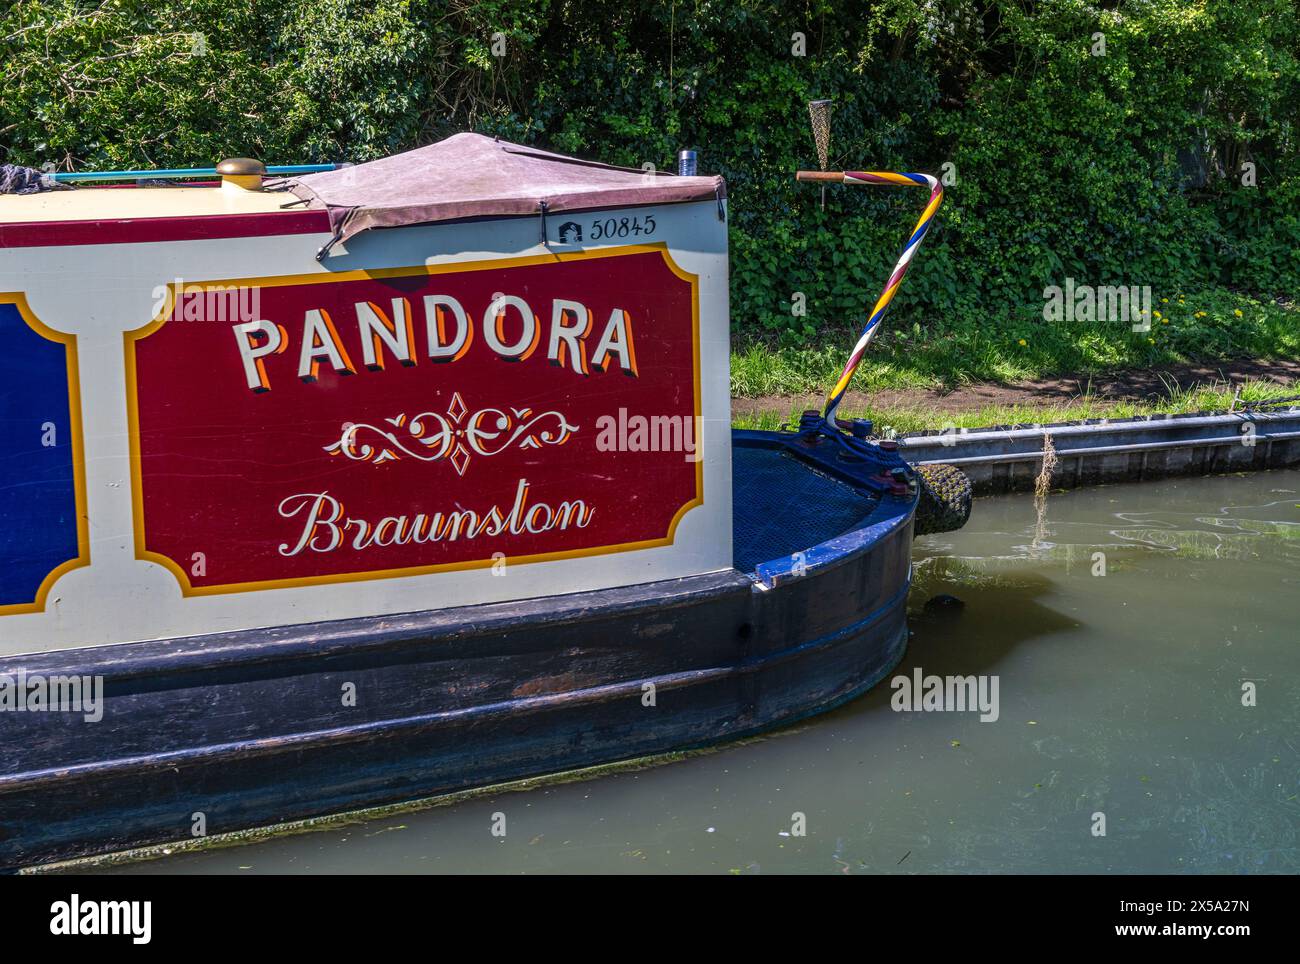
(469, 175)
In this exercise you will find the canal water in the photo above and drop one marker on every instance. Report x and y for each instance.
(1143, 640)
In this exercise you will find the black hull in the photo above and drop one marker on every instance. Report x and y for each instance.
(251, 729)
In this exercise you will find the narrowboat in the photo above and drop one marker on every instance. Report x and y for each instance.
(396, 479)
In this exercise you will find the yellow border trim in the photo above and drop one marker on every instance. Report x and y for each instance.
(69, 342)
(129, 339)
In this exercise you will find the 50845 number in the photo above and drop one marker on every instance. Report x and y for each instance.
(622, 227)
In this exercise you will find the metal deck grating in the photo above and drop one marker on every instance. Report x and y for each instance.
(783, 506)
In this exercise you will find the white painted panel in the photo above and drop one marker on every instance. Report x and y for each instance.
(98, 292)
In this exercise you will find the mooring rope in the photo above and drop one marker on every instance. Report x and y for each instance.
(900, 269)
(1042, 489)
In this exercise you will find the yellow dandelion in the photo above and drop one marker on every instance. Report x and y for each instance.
(1164, 321)
(1164, 301)
(1157, 314)
(1237, 312)
(1022, 343)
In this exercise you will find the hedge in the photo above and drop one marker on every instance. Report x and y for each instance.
(1150, 142)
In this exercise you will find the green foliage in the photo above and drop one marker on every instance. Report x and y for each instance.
(102, 84)
(926, 416)
(1123, 168)
(1203, 326)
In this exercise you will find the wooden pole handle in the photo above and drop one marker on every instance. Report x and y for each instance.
(832, 177)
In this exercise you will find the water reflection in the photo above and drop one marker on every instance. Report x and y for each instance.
(1123, 643)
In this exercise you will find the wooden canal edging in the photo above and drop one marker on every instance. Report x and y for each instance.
(1009, 458)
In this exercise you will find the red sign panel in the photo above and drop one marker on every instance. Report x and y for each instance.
(309, 429)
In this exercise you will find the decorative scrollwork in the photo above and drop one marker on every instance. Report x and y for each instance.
(453, 435)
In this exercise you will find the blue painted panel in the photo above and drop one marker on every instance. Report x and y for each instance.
(38, 502)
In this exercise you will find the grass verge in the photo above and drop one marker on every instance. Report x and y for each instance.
(1211, 325)
(925, 416)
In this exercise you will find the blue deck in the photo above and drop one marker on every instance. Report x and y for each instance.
(783, 506)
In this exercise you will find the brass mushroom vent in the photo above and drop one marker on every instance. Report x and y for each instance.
(241, 174)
